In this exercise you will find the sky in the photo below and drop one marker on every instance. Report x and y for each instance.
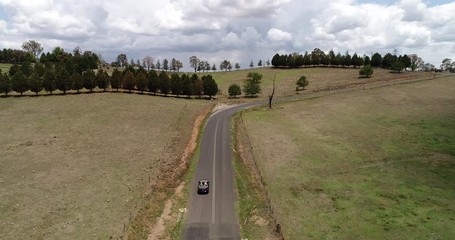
(236, 30)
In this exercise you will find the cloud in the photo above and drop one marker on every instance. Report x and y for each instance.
(278, 35)
(240, 29)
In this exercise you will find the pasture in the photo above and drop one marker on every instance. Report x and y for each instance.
(4, 67)
(77, 166)
(319, 78)
(368, 164)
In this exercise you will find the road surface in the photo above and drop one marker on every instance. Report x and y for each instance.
(213, 216)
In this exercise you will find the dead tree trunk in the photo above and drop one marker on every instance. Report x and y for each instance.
(273, 92)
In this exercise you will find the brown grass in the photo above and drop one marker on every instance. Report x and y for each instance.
(319, 78)
(78, 166)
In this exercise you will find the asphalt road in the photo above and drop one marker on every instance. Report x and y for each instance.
(213, 216)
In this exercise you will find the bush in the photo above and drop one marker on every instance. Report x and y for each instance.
(302, 83)
(234, 90)
(366, 71)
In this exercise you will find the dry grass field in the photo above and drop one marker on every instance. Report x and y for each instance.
(75, 166)
(368, 164)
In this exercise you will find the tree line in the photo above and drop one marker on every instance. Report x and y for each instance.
(51, 77)
(319, 58)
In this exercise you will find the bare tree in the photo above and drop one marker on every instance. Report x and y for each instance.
(32, 47)
(178, 65)
(194, 62)
(273, 92)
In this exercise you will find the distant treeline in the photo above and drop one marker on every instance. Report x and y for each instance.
(15, 56)
(61, 76)
(319, 58)
(76, 61)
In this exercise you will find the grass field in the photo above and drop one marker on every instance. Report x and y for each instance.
(319, 78)
(4, 67)
(75, 166)
(372, 164)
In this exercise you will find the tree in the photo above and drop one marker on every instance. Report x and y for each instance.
(224, 65)
(252, 86)
(214, 67)
(158, 64)
(141, 81)
(268, 62)
(427, 67)
(302, 82)
(406, 60)
(89, 78)
(35, 83)
(102, 79)
(63, 81)
(152, 81)
(187, 86)
(26, 68)
(122, 60)
(6, 86)
(397, 66)
(148, 62)
(128, 81)
(194, 62)
(446, 64)
(116, 79)
(237, 66)
(366, 71)
(316, 56)
(14, 69)
(276, 60)
(39, 69)
(176, 84)
(49, 80)
(209, 85)
(33, 47)
(376, 60)
(388, 60)
(273, 93)
(346, 60)
(20, 83)
(165, 83)
(251, 64)
(416, 62)
(356, 60)
(197, 85)
(366, 60)
(165, 65)
(234, 90)
(178, 65)
(260, 63)
(173, 64)
(78, 82)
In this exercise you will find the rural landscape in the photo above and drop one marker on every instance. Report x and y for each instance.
(352, 156)
(270, 120)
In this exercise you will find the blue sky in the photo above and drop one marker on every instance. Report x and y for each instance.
(238, 32)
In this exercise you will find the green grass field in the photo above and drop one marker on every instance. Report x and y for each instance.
(372, 164)
(4, 67)
(75, 166)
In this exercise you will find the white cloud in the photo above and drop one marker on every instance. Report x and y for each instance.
(243, 30)
(278, 35)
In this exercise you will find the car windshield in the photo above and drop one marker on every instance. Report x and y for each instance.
(203, 183)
